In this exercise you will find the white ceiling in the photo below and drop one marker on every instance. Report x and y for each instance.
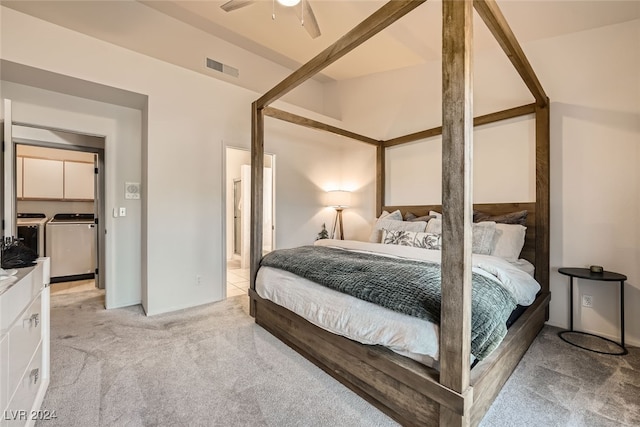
(411, 41)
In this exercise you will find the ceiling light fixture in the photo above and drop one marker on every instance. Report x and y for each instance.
(288, 3)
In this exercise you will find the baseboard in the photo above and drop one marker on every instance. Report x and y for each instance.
(616, 338)
(182, 307)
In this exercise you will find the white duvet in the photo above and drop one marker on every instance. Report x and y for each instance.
(371, 324)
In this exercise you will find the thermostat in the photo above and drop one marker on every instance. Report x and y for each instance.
(131, 190)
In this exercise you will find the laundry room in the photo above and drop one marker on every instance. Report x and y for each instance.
(56, 209)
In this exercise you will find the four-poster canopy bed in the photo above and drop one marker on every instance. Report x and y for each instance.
(408, 391)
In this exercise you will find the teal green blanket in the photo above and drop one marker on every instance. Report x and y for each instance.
(406, 286)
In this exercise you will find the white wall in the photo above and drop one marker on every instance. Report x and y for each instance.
(592, 80)
(189, 117)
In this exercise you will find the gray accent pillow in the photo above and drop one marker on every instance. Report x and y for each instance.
(519, 217)
(412, 217)
(483, 234)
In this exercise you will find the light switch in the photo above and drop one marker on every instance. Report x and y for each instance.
(115, 212)
(123, 211)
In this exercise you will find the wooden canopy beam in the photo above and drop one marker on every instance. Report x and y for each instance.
(313, 124)
(497, 24)
(510, 113)
(378, 21)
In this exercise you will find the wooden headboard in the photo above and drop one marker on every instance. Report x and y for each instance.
(529, 249)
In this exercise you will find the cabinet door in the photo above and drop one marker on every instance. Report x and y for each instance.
(78, 180)
(19, 177)
(4, 371)
(42, 179)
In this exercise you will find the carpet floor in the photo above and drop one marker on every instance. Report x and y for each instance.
(213, 366)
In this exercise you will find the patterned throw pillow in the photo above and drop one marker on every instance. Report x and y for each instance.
(411, 238)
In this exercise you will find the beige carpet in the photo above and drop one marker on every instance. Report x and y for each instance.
(212, 366)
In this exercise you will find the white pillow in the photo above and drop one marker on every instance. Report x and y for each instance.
(434, 226)
(435, 214)
(414, 239)
(483, 235)
(508, 241)
(389, 224)
(376, 234)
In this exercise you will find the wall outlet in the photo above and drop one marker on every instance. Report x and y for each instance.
(587, 301)
(199, 280)
(123, 211)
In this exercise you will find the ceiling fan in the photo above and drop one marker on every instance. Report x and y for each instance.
(308, 19)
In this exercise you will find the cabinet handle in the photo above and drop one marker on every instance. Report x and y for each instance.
(34, 320)
(35, 375)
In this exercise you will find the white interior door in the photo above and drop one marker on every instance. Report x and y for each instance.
(267, 215)
(8, 175)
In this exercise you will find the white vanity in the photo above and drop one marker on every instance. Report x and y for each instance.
(24, 344)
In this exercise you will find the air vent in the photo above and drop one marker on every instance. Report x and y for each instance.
(223, 68)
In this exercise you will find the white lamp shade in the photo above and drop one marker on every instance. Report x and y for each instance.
(338, 199)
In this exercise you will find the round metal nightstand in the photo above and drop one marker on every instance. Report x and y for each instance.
(605, 276)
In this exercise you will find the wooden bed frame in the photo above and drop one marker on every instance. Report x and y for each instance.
(409, 392)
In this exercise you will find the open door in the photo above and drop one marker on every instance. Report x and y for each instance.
(97, 210)
(8, 175)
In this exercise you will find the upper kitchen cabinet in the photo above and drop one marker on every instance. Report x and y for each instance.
(42, 179)
(78, 180)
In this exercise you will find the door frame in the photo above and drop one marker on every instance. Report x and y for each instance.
(74, 141)
(225, 216)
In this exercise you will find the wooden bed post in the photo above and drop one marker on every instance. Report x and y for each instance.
(457, 159)
(542, 196)
(380, 175)
(257, 176)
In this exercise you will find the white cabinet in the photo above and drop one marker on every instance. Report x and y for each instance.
(24, 344)
(42, 179)
(78, 180)
(48, 179)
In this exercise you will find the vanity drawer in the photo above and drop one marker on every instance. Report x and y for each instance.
(4, 372)
(24, 337)
(19, 412)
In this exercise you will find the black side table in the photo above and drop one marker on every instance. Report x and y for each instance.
(605, 276)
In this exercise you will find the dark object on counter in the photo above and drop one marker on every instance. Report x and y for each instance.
(17, 255)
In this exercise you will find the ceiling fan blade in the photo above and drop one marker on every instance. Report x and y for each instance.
(236, 4)
(309, 20)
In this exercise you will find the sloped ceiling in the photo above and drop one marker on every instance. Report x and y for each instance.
(413, 40)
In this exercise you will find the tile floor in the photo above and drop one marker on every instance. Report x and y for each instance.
(237, 282)
(75, 286)
(237, 279)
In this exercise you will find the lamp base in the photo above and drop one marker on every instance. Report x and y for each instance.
(335, 224)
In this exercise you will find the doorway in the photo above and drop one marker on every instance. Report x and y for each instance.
(238, 202)
(237, 216)
(58, 176)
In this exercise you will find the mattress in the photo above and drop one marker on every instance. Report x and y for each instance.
(370, 324)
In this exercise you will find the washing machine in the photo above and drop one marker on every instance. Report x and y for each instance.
(71, 245)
